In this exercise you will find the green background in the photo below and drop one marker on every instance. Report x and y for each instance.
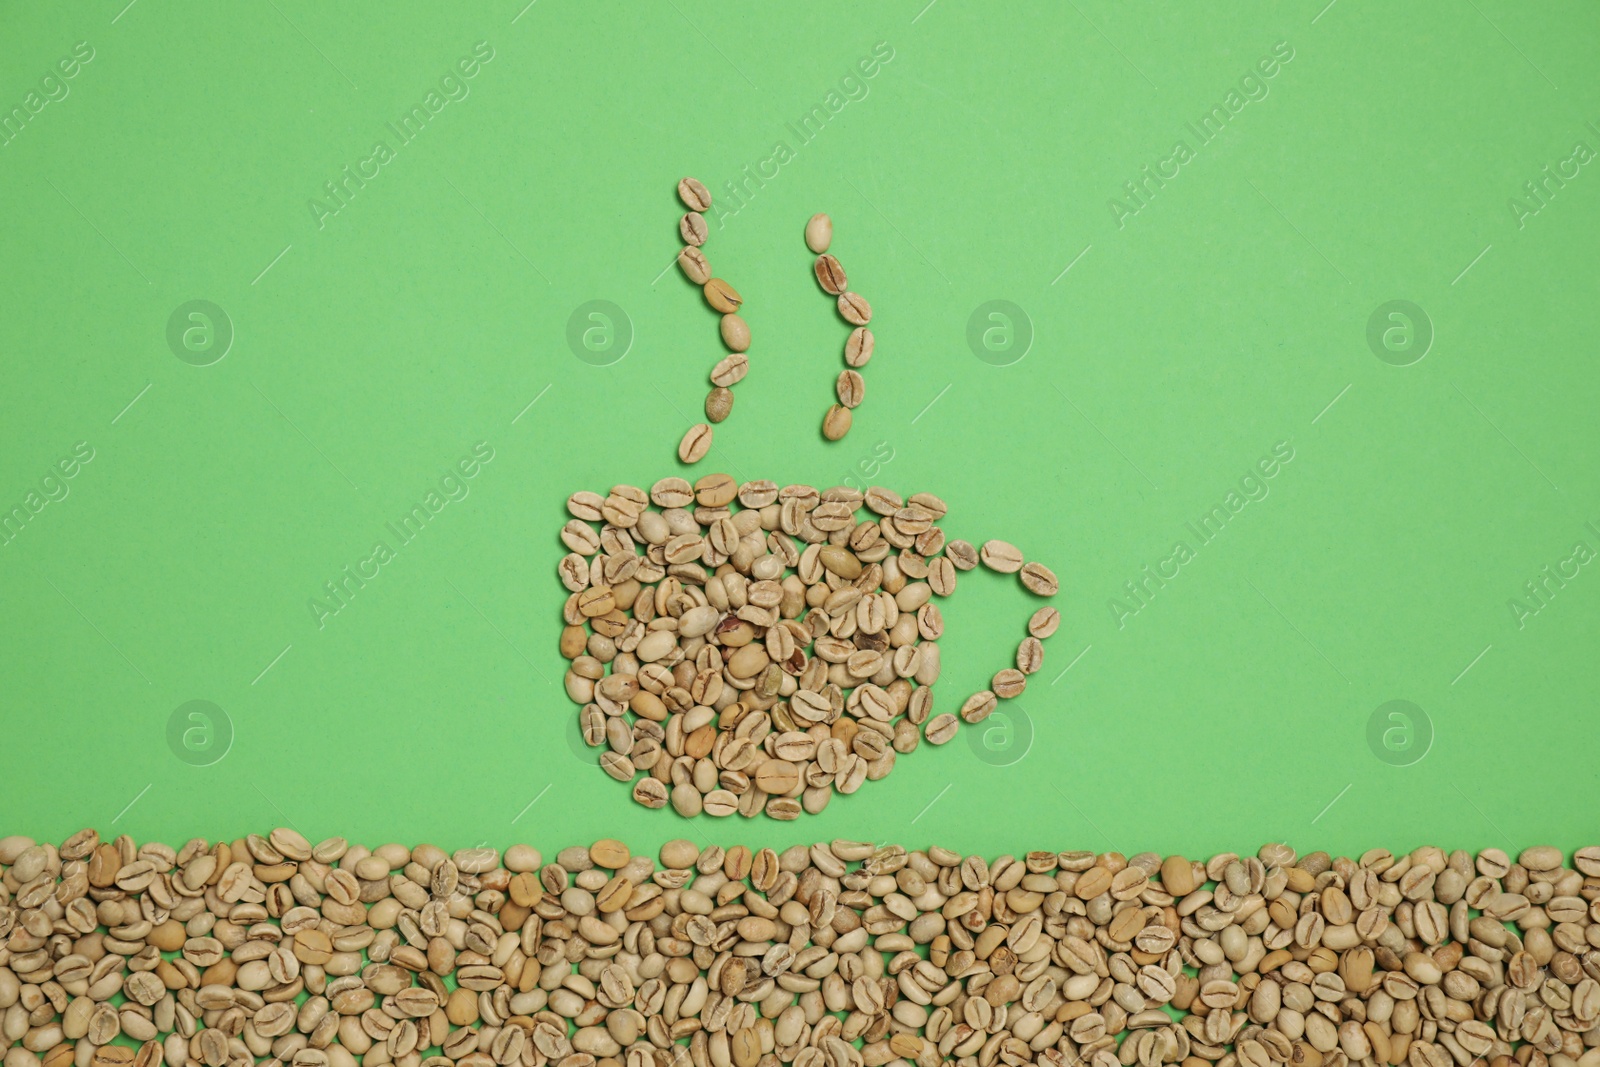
(1228, 314)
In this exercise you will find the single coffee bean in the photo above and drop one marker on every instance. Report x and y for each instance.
(1009, 683)
(851, 388)
(694, 194)
(719, 402)
(1030, 655)
(1045, 621)
(855, 309)
(978, 706)
(650, 793)
(722, 296)
(819, 233)
(836, 423)
(1001, 556)
(730, 370)
(941, 728)
(695, 444)
(777, 776)
(858, 347)
(721, 803)
(694, 265)
(692, 228)
(830, 275)
(1039, 580)
(962, 555)
(715, 491)
(735, 333)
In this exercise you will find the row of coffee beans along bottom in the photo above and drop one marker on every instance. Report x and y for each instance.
(840, 954)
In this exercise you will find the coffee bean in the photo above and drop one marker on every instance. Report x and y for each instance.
(978, 706)
(1030, 655)
(719, 402)
(819, 233)
(720, 803)
(1039, 580)
(692, 228)
(1045, 621)
(695, 444)
(735, 333)
(962, 555)
(941, 728)
(722, 296)
(1009, 683)
(853, 307)
(836, 423)
(730, 370)
(1001, 556)
(694, 265)
(715, 490)
(830, 275)
(695, 196)
(851, 388)
(858, 347)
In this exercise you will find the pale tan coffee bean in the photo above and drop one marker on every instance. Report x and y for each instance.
(882, 501)
(722, 296)
(961, 554)
(1030, 655)
(650, 793)
(595, 601)
(830, 275)
(819, 233)
(686, 800)
(854, 309)
(586, 506)
(941, 728)
(695, 444)
(858, 347)
(694, 265)
(840, 561)
(580, 537)
(758, 493)
(574, 571)
(672, 492)
(692, 228)
(720, 803)
(978, 706)
(1039, 580)
(851, 388)
(730, 370)
(1540, 858)
(836, 423)
(694, 194)
(719, 403)
(1009, 683)
(617, 766)
(941, 576)
(1001, 556)
(783, 809)
(735, 333)
(1045, 622)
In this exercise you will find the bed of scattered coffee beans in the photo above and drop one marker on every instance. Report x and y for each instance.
(269, 949)
(850, 388)
(750, 648)
(725, 300)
